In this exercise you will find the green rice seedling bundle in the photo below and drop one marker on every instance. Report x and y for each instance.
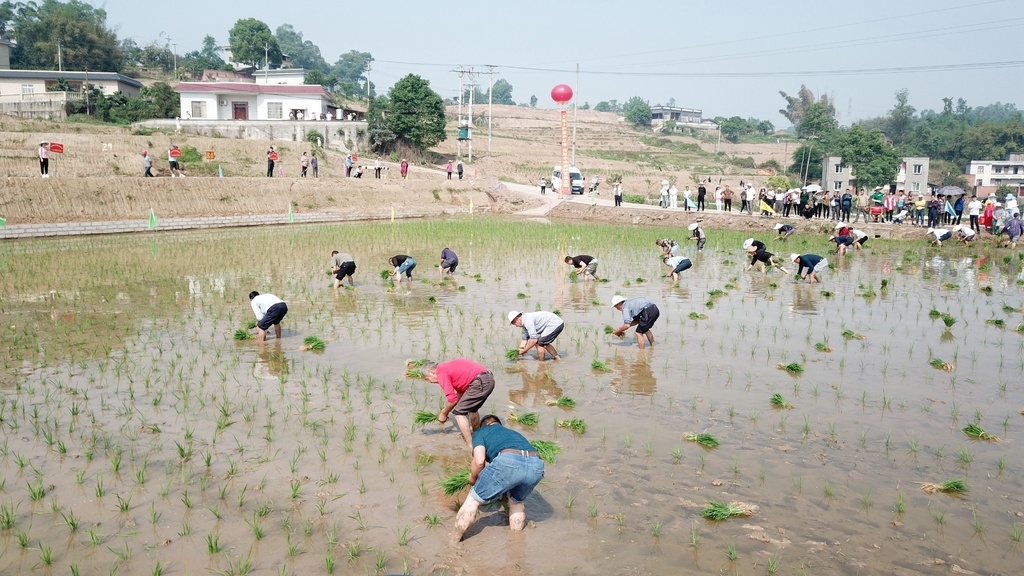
(722, 510)
(933, 313)
(243, 334)
(251, 324)
(608, 329)
(604, 280)
(827, 293)
(425, 417)
(527, 419)
(577, 425)
(779, 402)
(792, 367)
(563, 402)
(640, 280)
(975, 431)
(521, 295)
(986, 289)
(851, 335)
(951, 486)
(716, 293)
(548, 451)
(599, 366)
(456, 482)
(573, 276)
(1020, 328)
(512, 354)
(313, 343)
(948, 320)
(822, 347)
(703, 438)
(939, 364)
(698, 316)
(999, 322)
(385, 274)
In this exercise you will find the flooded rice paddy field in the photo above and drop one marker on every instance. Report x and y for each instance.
(140, 437)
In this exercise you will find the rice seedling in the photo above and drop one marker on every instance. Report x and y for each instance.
(698, 316)
(722, 510)
(773, 565)
(527, 419)
(951, 486)
(730, 552)
(827, 293)
(792, 367)
(851, 335)
(948, 320)
(779, 402)
(546, 450)
(822, 347)
(432, 520)
(608, 329)
(940, 364)
(998, 322)
(1015, 532)
(242, 334)
(425, 417)
(563, 402)
(933, 313)
(455, 482)
(385, 274)
(599, 366)
(213, 545)
(313, 343)
(656, 526)
(512, 354)
(975, 431)
(703, 438)
(577, 425)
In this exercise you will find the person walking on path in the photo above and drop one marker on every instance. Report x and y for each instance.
(842, 243)
(403, 265)
(466, 386)
(147, 163)
(504, 462)
(269, 310)
(540, 329)
(304, 164)
(785, 231)
(677, 264)
(449, 262)
(271, 159)
(813, 263)
(315, 165)
(617, 193)
(343, 266)
(639, 312)
(44, 159)
(448, 169)
(458, 168)
(404, 169)
(172, 160)
(702, 193)
(668, 246)
(766, 259)
(974, 208)
(584, 266)
(697, 233)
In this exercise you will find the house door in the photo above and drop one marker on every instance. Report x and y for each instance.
(240, 110)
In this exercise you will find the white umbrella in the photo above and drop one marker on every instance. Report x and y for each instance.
(813, 188)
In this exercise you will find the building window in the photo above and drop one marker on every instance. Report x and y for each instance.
(917, 186)
(837, 185)
(999, 169)
(981, 169)
(839, 168)
(275, 110)
(198, 109)
(28, 89)
(978, 183)
(1015, 169)
(917, 168)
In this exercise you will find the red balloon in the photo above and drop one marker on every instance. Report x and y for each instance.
(561, 93)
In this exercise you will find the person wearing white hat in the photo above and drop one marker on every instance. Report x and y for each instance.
(964, 234)
(785, 231)
(812, 262)
(539, 331)
(939, 235)
(44, 159)
(751, 245)
(697, 233)
(766, 259)
(639, 312)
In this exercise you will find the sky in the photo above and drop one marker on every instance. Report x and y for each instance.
(726, 58)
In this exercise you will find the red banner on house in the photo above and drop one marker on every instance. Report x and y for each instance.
(56, 147)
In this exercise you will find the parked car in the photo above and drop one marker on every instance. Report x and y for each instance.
(576, 183)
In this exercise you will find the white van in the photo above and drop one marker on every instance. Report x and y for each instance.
(576, 183)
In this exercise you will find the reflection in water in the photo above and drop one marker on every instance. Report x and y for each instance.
(805, 298)
(634, 376)
(538, 387)
(272, 363)
(580, 296)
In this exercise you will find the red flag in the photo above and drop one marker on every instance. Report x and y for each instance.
(56, 147)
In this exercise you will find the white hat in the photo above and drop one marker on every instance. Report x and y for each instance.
(840, 226)
(748, 243)
(958, 227)
(664, 182)
(778, 226)
(616, 300)
(794, 257)
(930, 230)
(692, 227)
(513, 315)
(831, 238)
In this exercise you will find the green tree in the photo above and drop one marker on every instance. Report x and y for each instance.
(901, 118)
(303, 53)
(637, 111)
(164, 101)
(874, 161)
(416, 112)
(796, 106)
(86, 41)
(818, 122)
(252, 43)
(350, 69)
(501, 92)
(318, 77)
(807, 159)
(382, 136)
(779, 182)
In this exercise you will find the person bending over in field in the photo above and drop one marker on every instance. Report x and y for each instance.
(583, 265)
(766, 259)
(677, 264)
(466, 386)
(269, 310)
(343, 267)
(449, 260)
(403, 265)
(639, 312)
(785, 231)
(539, 331)
(812, 262)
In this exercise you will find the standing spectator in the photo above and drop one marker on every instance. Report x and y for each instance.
(269, 310)
(780, 196)
(271, 156)
(743, 199)
(697, 233)
(901, 201)
(404, 169)
(787, 202)
(377, 168)
(836, 203)
(583, 265)
(466, 386)
(727, 198)
(813, 263)
(348, 165)
(315, 165)
(543, 185)
(974, 212)
(617, 193)
(687, 195)
(718, 198)
(458, 168)
(702, 192)
(639, 312)
(147, 163)
(172, 160)
(1010, 203)
(958, 210)
(673, 197)
(44, 159)
(890, 206)
(594, 182)
(540, 329)
(343, 267)
(664, 194)
(920, 206)
(448, 169)
(751, 195)
(449, 262)
(304, 164)
(934, 208)
(845, 204)
(998, 218)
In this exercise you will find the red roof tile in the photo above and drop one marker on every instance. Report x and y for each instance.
(245, 87)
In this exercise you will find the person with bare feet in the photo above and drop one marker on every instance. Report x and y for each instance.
(639, 312)
(343, 266)
(504, 461)
(466, 386)
(584, 266)
(812, 262)
(449, 262)
(403, 265)
(269, 310)
(539, 331)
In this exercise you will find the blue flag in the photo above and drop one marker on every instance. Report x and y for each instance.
(949, 209)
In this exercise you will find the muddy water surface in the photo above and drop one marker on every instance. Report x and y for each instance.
(139, 436)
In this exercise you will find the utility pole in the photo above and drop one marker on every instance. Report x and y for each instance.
(472, 96)
(60, 62)
(367, 76)
(460, 71)
(490, 100)
(575, 111)
(174, 54)
(266, 63)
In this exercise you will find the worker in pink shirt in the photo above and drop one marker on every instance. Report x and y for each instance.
(466, 386)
